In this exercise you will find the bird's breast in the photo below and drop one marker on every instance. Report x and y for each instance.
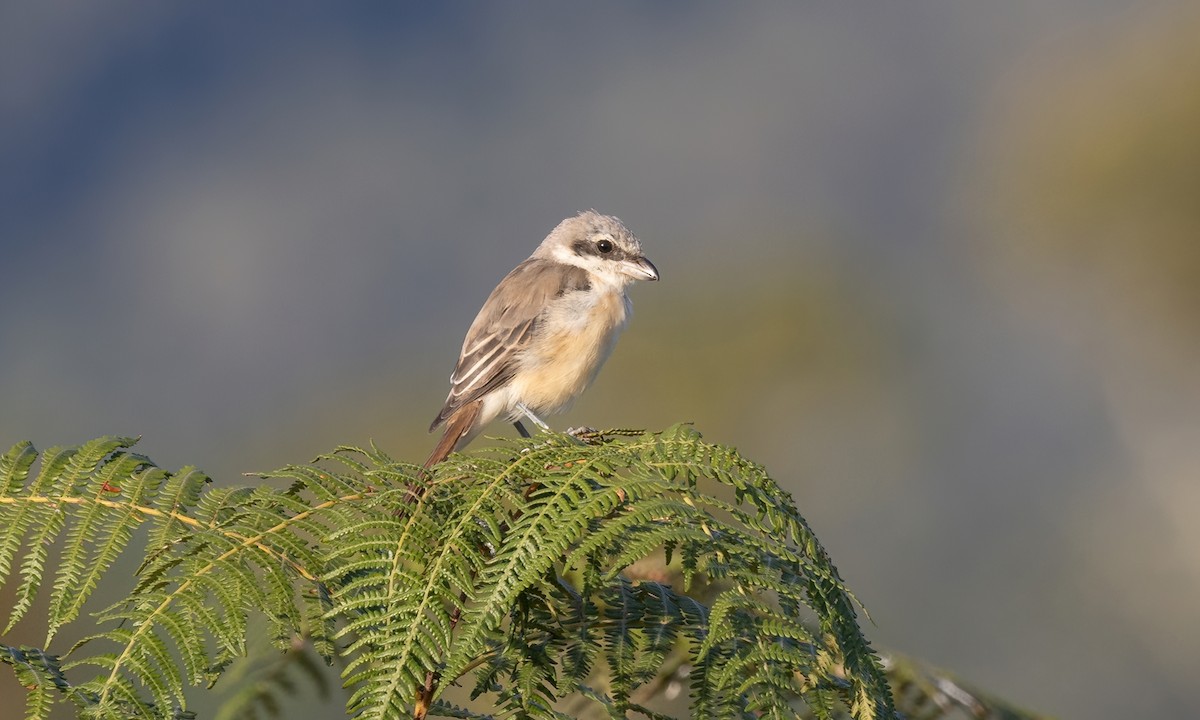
(573, 339)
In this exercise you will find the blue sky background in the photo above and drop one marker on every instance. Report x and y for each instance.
(250, 233)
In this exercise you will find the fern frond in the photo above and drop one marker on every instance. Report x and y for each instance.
(64, 475)
(99, 533)
(509, 563)
(214, 557)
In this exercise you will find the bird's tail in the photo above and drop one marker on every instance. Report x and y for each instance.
(459, 426)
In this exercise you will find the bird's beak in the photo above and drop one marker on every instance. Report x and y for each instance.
(641, 268)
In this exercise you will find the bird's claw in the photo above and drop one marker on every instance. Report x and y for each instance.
(585, 434)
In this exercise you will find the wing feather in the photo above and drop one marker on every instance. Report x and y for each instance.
(504, 327)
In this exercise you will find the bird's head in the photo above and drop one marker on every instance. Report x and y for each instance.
(601, 245)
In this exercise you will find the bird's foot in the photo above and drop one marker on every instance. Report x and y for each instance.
(587, 435)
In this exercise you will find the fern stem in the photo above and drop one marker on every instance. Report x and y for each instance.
(185, 519)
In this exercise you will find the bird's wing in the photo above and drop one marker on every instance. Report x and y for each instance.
(504, 327)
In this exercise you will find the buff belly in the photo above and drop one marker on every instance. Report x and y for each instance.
(574, 341)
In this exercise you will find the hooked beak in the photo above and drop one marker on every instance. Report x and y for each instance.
(641, 268)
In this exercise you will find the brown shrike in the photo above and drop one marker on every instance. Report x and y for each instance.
(544, 332)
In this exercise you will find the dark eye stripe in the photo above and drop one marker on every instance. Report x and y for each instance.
(587, 247)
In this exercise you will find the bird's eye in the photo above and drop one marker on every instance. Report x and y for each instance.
(604, 246)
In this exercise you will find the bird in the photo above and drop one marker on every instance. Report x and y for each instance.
(541, 336)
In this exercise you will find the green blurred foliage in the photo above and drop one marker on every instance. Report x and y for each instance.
(1093, 169)
(1086, 194)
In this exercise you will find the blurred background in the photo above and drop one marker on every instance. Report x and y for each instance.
(936, 264)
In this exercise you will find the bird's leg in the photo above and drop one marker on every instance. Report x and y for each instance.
(584, 435)
(532, 418)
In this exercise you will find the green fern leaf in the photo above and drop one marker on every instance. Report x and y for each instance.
(510, 563)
